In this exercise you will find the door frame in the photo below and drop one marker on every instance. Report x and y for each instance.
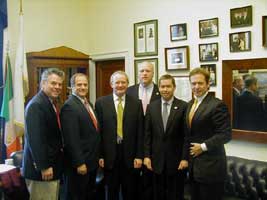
(104, 57)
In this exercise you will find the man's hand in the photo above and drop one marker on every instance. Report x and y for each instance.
(147, 163)
(137, 163)
(47, 174)
(195, 149)
(101, 162)
(82, 169)
(183, 165)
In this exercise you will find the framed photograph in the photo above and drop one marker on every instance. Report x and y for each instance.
(178, 32)
(183, 88)
(264, 31)
(146, 38)
(262, 83)
(241, 17)
(208, 52)
(137, 64)
(211, 68)
(208, 28)
(240, 41)
(177, 58)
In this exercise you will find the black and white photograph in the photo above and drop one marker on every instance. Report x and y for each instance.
(208, 52)
(178, 32)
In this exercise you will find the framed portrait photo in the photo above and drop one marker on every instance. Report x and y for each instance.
(208, 52)
(183, 88)
(264, 31)
(208, 28)
(178, 32)
(137, 65)
(177, 58)
(211, 68)
(146, 38)
(240, 41)
(241, 17)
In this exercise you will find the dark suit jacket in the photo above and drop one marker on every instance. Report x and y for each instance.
(251, 114)
(132, 129)
(165, 148)
(134, 92)
(210, 125)
(234, 108)
(81, 139)
(43, 142)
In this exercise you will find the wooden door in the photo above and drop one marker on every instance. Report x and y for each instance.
(104, 70)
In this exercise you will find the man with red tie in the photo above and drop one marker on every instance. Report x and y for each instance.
(81, 139)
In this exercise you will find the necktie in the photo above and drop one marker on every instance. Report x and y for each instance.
(119, 119)
(165, 115)
(144, 100)
(192, 112)
(57, 113)
(93, 118)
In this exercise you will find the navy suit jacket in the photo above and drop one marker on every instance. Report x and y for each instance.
(81, 138)
(43, 141)
(210, 125)
(165, 148)
(134, 92)
(132, 129)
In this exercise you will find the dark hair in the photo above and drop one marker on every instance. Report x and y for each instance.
(167, 77)
(51, 71)
(73, 78)
(202, 71)
(250, 80)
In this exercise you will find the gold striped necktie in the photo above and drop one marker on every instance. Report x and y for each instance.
(119, 119)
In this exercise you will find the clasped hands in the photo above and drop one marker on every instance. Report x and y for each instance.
(182, 165)
(137, 163)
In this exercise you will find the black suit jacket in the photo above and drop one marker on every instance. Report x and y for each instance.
(210, 125)
(134, 92)
(165, 148)
(132, 130)
(81, 138)
(43, 142)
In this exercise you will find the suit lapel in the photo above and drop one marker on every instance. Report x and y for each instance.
(173, 112)
(155, 93)
(201, 108)
(111, 105)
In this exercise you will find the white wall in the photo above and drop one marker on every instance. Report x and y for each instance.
(100, 27)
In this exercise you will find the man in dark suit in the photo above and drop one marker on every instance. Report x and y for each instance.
(208, 129)
(146, 91)
(81, 139)
(121, 128)
(164, 137)
(238, 85)
(252, 115)
(42, 156)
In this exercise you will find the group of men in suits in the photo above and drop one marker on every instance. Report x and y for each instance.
(142, 136)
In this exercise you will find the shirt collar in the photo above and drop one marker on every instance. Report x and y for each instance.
(169, 102)
(116, 98)
(200, 99)
(146, 87)
(81, 99)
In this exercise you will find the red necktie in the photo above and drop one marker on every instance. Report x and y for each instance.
(87, 106)
(57, 113)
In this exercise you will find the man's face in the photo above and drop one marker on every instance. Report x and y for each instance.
(119, 84)
(81, 86)
(52, 87)
(166, 89)
(146, 74)
(199, 85)
(240, 84)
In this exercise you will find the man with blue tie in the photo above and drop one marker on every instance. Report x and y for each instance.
(164, 141)
(121, 128)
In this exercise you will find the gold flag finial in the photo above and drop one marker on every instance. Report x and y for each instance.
(20, 8)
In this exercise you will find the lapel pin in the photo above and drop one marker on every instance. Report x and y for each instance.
(175, 108)
(157, 93)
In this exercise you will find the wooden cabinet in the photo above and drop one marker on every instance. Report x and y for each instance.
(64, 58)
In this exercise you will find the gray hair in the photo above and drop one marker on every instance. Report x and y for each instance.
(51, 71)
(118, 72)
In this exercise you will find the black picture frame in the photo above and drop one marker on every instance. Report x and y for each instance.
(211, 68)
(240, 41)
(178, 32)
(241, 17)
(208, 52)
(208, 28)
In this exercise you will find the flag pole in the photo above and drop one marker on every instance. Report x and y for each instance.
(20, 7)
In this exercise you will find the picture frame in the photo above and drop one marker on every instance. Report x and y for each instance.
(264, 31)
(185, 93)
(146, 38)
(178, 32)
(208, 52)
(262, 83)
(208, 28)
(241, 17)
(177, 58)
(211, 68)
(137, 63)
(240, 41)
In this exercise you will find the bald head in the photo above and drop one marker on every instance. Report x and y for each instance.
(146, 73)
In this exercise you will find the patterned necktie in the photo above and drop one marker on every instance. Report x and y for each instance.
(165, 115)
(144, 100)
(119, 119)
(55, 106)
(93, 118)
(192, 112)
